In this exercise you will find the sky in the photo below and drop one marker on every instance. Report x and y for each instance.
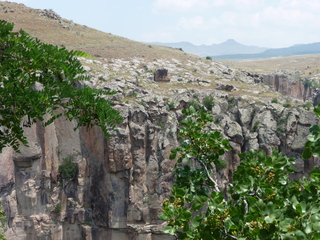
(263, 23)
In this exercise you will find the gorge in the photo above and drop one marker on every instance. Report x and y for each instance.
(120, 183)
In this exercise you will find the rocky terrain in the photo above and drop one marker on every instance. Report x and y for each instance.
(120, 183)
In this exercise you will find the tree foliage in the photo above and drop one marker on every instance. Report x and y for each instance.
(38, 82)
(312, 146)
(260, 203)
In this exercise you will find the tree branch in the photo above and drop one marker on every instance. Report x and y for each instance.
(228, 235)
(208, 175)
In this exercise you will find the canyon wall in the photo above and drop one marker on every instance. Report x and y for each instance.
(289, 85)
(121, 182)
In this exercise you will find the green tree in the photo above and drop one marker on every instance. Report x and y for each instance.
(312, 146)
(260, 203)
(38, 80)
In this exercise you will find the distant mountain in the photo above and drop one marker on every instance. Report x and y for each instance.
(298, 49)
(228, 47)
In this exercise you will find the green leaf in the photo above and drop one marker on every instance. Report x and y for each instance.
(180, 192)
(286, 223)
(316, 235)
(185, 214)
(312, 138)
(197, 206)
(308, 229)
(229, 225)
(163, 216)
(303, 207)
(172, 155)
(270, 218)
(170, 230)
(315, 128)
(315, 218)
(294, 202)
(196, 221)
(306, 154)
(316, 226)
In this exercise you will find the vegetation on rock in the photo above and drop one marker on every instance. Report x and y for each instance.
(68, 169)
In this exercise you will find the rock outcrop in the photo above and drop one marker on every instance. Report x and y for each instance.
(290, 85)
(121, 182)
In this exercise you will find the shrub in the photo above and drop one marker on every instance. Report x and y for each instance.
(255, 127)
(307, 105)
(232, 102)
(68, 169)
(208, 102)
(274, 100)
(57, 208)
(193, 103)
(287, 105)
(280, 130)
(170, 106)
(282, 120)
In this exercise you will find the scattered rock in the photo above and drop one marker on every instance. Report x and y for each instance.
(225, 87)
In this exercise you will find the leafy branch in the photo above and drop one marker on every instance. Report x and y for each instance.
(38, 80)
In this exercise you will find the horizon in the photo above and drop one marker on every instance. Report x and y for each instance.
(225, 42)
(261, 23)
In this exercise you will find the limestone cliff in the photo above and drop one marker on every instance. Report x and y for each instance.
(121, 182)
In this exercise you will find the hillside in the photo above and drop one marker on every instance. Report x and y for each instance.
(54, 29)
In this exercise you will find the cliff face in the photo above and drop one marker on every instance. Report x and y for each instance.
(119, 188)
(121, 182)
(289, 85)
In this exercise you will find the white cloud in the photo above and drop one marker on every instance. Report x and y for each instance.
(248, 4)
(268, 23)
(198, 23)
(310, 5)
(190, 5)
(190, 23)
(293, 17)
(230, 18)
(22, 1)
(159, 35)
(181, 5)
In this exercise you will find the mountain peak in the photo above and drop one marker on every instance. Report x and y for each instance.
(230, 41)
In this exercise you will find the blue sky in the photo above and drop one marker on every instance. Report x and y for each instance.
(265, 23)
